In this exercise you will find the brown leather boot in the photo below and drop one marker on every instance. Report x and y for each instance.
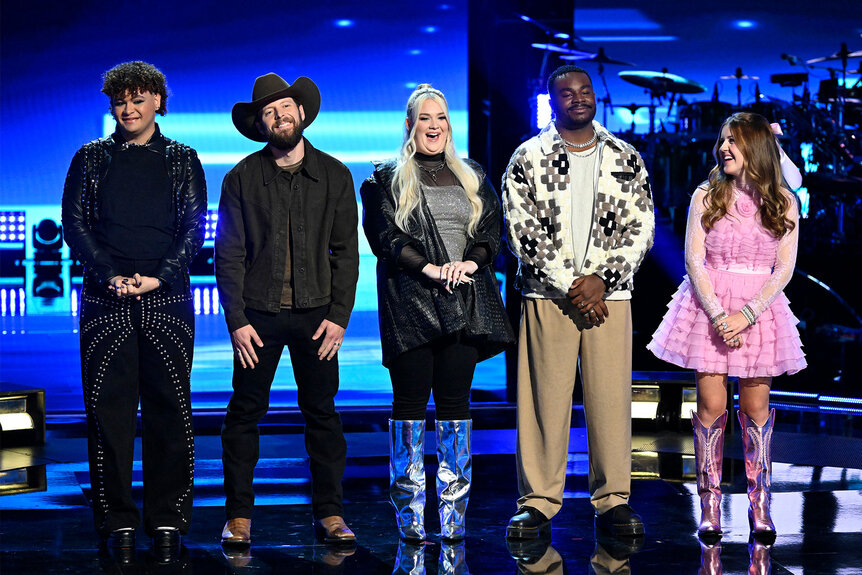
(333, 529)
(237, 532)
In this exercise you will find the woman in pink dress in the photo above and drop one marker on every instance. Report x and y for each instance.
(729, 316)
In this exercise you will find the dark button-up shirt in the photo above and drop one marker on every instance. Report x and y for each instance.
(252, 237)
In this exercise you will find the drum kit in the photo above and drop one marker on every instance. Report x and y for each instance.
(820, 134)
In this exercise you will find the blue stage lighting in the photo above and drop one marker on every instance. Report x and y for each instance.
(344, 23)
(743, 24)
(543, 110)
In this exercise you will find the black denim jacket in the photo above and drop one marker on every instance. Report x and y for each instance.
(81, 202)
(252, 237)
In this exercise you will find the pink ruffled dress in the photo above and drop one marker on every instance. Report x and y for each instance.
(736, 262)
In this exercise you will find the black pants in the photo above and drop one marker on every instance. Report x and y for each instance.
(316, 383)
(446, 366)
(134, 349)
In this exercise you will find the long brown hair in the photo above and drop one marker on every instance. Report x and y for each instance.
(756, 142)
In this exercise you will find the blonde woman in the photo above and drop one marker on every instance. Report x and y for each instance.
(433, 220)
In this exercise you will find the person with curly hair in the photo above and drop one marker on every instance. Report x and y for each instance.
(730, 316)
(134, 212)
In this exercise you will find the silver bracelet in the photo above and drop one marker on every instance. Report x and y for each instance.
(749, 314)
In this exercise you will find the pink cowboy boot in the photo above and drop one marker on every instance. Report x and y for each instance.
(757, 447)
(708, 454)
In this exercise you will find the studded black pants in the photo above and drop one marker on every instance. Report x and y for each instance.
(138, 350)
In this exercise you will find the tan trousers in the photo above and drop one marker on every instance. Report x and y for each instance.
(552, 334)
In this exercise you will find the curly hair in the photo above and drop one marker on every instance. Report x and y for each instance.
(133, 78)
(757, 144)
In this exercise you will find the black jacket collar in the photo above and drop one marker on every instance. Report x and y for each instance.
(310, 163)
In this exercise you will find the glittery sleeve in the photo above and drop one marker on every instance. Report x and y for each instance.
(785, 262)
(695, 256)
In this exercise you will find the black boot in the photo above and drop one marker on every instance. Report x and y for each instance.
(528, 523)
(620, 521)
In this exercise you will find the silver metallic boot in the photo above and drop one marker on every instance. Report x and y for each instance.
(454, 474)
(453, 559)
(407, 477)
(410, 559)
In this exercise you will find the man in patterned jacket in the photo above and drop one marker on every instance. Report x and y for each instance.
(579, 217)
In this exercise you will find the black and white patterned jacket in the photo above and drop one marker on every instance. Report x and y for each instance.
(537, 204)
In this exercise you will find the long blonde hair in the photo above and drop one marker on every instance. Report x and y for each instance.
(405, 180)
(756, 142)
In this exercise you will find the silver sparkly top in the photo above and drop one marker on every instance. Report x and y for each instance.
(451, 211)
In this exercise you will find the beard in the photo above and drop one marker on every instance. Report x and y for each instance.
(564, 119)
(286, 140)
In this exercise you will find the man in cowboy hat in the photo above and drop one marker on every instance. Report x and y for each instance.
(286, 264)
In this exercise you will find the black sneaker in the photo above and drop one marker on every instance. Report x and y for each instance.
(528, 523)
(620, 521)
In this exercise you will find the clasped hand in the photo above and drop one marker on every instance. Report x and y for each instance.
(586, 295)
(451, 274)
(134, 286)
(730, 327)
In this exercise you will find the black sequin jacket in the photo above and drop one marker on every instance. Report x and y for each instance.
(413, 309)
(81, 201)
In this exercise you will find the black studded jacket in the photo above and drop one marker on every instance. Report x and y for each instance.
(414, 310)
(81, 203)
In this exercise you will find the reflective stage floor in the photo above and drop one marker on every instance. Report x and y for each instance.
(817, 508)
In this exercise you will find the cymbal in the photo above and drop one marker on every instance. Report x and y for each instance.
(839, 55)
(600, 58)
(662, 82)
(790, 80)
(738, 75)
(574, 53)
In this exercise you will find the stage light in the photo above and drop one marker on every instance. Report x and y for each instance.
(414, 52)
(344, 23)
(689, 402)
(744, 24)
(645, 400)
(47, 259)
(628, 38)
(804, 202)
(429, 29)
(22, 416)
(11, 226)
(543, 110)
(645, 465)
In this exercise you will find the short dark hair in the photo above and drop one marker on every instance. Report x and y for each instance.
(133, 78)
(562, 71)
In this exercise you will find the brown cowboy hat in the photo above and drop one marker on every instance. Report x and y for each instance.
(269, 88)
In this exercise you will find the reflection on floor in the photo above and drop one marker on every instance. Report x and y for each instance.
(817, 507)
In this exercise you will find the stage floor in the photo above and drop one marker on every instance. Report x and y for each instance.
(44, 351)
(817, 508)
